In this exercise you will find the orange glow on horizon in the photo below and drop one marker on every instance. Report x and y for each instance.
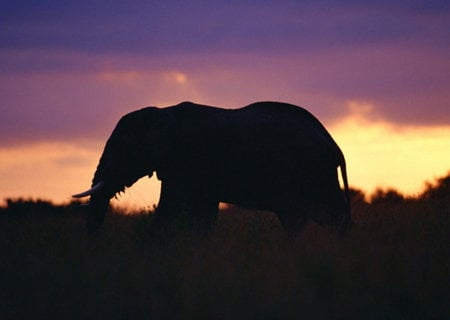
(382, 155)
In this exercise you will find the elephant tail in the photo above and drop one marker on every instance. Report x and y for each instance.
(348, 218)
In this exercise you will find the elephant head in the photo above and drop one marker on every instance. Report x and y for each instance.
(126, 158)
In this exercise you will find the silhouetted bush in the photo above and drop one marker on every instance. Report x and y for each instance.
(27, 207)
(357, 197)
(440, 190)
(387, 197)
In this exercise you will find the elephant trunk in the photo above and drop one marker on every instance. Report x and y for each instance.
(98, 205)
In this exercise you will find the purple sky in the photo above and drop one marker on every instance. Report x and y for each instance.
(376, 73)
(319, 54)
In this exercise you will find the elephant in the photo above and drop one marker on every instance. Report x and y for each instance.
(269, 156)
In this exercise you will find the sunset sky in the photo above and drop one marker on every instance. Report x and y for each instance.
(376, 73)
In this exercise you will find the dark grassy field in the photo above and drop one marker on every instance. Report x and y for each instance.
(394, 264)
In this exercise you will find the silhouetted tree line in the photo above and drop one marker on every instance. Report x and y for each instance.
(25, 207)
(437, 193)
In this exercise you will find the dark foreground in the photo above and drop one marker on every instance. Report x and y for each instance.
(394, 264)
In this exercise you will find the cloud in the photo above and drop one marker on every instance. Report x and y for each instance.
(405, 88)
(382, 154)
(220, 26)
(85, 105)
(70, 69)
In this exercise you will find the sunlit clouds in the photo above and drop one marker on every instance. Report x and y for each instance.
(177, 77)
(133, 77)
(382, 155)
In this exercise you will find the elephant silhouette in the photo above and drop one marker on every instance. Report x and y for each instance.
(268, 155)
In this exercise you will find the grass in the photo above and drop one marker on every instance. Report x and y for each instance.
(394, 264)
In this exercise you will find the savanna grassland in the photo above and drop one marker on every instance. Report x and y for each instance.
(393, 264)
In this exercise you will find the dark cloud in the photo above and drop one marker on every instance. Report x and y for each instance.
(197, 26)
(320, 54)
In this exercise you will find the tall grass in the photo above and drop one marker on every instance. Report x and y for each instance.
(393, 264)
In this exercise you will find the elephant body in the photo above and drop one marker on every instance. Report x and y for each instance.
(268, 155)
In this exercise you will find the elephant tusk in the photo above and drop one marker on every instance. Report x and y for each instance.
(97, 187)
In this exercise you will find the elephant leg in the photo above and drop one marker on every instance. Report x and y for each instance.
(170, 207)
(292, 220)
(330, 207)
(202, 211)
